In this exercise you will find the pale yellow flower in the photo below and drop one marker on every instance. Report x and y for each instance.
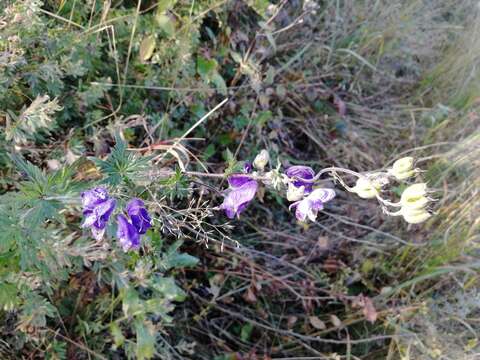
(402, 168)
(414, 216)
(413, 192)
(365, 188)
(295, 193)
(261, 160)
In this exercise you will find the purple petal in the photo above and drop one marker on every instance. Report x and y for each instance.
(312, 204)
(103, 212)
(93, 197)
(237, 180)
(247, 167)
(127, 234)
(302, 210)
(98, 233)
(301, 173)
(321, 195)
(139, 215)
(237, 198)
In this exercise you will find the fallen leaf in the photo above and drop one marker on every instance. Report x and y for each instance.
(291, 321)
(249, 296)
(369, 310)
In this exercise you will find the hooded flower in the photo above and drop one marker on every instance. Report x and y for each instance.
(139, 215)
(312, 204)
(402, 168)
(301, 176)
(241, 191)
(366, 188)
(247, 167)
(97, 208)
(414, 216)
(295, 193)
(261, 160)
(127, 234)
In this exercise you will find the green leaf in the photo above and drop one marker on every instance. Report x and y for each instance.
(122, 165)
(206, 67)
(147, 47)
(117, 334)
(131, 303)
(164, 5)
(145, 339)
(219, 83)
(173, 259)
(31, 171)
(9, 299)
(246, 332)
(167, 288)
(165, 24)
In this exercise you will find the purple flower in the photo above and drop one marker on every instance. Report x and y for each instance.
(300, 176)
(139, 215)
(247, 167)
(312, 204)
(241, 191)
(127, 234)
(97, 208)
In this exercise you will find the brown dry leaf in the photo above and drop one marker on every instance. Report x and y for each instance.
(322, 242)
(341, 106)
(369, 310)
(317, 323)
(291, 321)
(249, 296)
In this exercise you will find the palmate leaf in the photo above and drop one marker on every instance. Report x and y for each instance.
(122, 165)
(145, 339)
(9, 299)
(10, 213)
(174, 259)
(41, 191)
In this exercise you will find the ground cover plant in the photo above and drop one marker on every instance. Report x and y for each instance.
(234, 179)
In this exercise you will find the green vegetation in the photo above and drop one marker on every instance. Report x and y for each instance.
(161, 100)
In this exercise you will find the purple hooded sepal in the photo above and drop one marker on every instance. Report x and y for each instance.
(242, 190)
(139, 215)
(301, 176)
(247, 167)
(127, 234)
(97, 208)
(312, 204)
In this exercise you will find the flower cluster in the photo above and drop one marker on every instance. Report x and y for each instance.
(413, 200)
(307, 200)
(298, 180)
(98, 206)
(128, 232)
(298, 184)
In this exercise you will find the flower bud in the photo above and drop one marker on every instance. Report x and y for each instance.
(413, 192)
(295, 193)
(402, 168)
(261, 160)
(366, 189)
(414, 216)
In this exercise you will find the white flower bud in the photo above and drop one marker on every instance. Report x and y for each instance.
(402, 168)
(365, 188)
(414, 216)
(413, 192)
(261, 160)
(295, 193)
(413, 197)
